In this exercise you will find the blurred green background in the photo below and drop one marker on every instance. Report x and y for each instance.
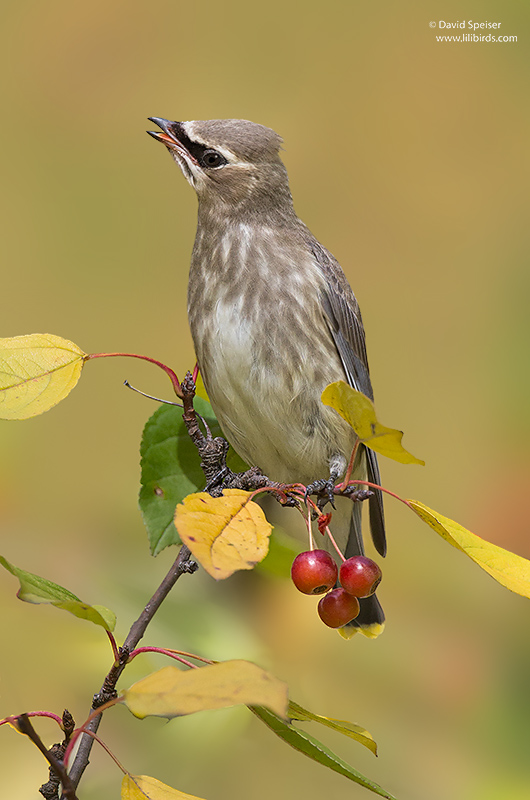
(408, 158)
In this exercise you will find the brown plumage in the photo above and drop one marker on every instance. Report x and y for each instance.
(273, 320)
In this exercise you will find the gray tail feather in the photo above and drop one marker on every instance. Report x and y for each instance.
(375, 504)
(371, 614)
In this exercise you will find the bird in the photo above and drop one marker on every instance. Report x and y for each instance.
(273, 321)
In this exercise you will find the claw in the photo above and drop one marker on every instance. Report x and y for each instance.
(325, 491)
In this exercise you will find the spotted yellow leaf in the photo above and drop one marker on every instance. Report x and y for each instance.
(36, 373)
(173, 692)
(359, 412)
(225, 533)
(507, 568)
(143, 787)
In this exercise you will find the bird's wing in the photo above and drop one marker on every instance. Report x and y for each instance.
(344, 320)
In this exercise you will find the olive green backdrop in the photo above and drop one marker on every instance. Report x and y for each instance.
(408, 158)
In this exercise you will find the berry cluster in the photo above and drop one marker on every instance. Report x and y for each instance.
(315, 572)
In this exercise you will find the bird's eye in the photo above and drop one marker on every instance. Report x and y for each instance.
(212, 159)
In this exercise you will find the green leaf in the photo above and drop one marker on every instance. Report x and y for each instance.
(171, 470)
(172, 692)
(315, 750)
(359, 412)
(36, 372)
(507, 568)
(341, 726)
(34, 589)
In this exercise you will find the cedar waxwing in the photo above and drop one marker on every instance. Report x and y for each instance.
(273, 321)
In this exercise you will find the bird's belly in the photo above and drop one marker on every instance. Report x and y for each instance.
(267, 397)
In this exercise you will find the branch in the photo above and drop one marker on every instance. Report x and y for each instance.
(213, 452)
(24, 726)
(183, 564)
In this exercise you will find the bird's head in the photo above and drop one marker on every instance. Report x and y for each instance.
(227, 161)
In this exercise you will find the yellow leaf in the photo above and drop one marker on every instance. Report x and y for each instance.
(507, 568)
(36, 373)
(172, 692)
(140, 787)
(224, 533)
(359, 412)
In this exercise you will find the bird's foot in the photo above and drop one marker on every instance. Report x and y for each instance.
(356, 494)
(250, 480)
(324, 490)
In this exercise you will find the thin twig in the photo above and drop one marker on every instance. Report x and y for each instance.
(24, 726)
(183, 564)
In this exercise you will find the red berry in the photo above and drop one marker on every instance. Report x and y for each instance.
(337, 608)
(314, 572)
(360, 576)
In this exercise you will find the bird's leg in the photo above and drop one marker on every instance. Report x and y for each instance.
(213, 463)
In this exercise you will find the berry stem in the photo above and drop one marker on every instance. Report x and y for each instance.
(334, 543)
(309, 529)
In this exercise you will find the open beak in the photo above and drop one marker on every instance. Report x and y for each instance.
(171, 136)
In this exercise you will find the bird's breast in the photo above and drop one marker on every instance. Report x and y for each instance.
(265, 351)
